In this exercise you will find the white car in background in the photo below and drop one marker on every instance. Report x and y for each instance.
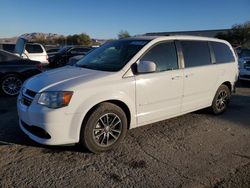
(125, 84)
(32, 51)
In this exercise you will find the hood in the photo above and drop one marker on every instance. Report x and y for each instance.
(65, 77)
(20, 45)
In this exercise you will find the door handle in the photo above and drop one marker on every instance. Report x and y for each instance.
(176, 77)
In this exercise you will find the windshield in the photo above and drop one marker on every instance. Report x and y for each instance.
(112, 56)
(64, 49)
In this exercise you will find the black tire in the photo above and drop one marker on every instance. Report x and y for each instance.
(99, 136)
(14, 82)
(221, 100)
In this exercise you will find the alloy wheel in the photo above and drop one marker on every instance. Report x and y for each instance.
(107, 130)
(11, 85)
(222, 100)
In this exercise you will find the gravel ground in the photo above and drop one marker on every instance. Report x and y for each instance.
(194, 150)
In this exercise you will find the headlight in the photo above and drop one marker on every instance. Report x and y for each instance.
(55, 99)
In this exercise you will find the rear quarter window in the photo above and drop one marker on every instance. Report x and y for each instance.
(9, 47)
(222, 53)
(33, 48)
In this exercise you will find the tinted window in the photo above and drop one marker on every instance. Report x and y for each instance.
(9, 47)
(33, 48)
(79, 50)
(222, 53)
(64, 49)
(163, 55)
(196, 53)
(82, 49)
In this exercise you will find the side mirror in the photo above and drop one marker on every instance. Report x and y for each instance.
(146, 67)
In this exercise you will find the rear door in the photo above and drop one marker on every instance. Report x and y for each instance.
(200, 75)
(159, 94)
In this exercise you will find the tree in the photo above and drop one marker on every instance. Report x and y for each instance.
(81, 39)
(84, 39)
(76, 39)
(60, 40)
(238, 35)
(123, 34)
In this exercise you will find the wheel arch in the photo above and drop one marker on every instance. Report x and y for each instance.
(228, 84)
(12, 73)
(116, 102)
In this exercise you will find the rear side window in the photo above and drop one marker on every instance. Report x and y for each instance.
(196, 53)
(33, 48)
(222, 52)
(163, 55)
(9, 47)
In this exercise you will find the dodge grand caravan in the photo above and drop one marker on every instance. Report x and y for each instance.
(126, 84)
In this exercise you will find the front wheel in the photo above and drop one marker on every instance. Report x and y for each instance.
(221, 100)
(105, 128)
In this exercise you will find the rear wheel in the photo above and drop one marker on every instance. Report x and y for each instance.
(11, 84)
(221, 100)
(105, 128)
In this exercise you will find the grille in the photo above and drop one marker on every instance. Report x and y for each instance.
(27, 97)
(26, 101)
(247, 65)
(37, 131)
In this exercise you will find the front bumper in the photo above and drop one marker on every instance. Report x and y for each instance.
(55, 122)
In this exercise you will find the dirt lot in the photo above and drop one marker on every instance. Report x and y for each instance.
(194, 150)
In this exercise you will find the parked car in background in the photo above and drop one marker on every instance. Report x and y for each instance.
(32, 51)
(14, 70)
(74, 59)
(244, 64)
(52, 50)
(61, 57)
(8, 47)
(125, 84)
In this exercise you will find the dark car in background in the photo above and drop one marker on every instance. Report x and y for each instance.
(244, 64)
(8, 47)
(14, 71)
(52, 50)
(62, 57)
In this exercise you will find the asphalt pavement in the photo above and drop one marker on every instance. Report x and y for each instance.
(194, 150)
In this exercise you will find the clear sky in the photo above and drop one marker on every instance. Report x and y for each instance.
(105, 18)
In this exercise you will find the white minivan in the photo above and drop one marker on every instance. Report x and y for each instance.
(125, 84)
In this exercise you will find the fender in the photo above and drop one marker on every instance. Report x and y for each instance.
(128, 98)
